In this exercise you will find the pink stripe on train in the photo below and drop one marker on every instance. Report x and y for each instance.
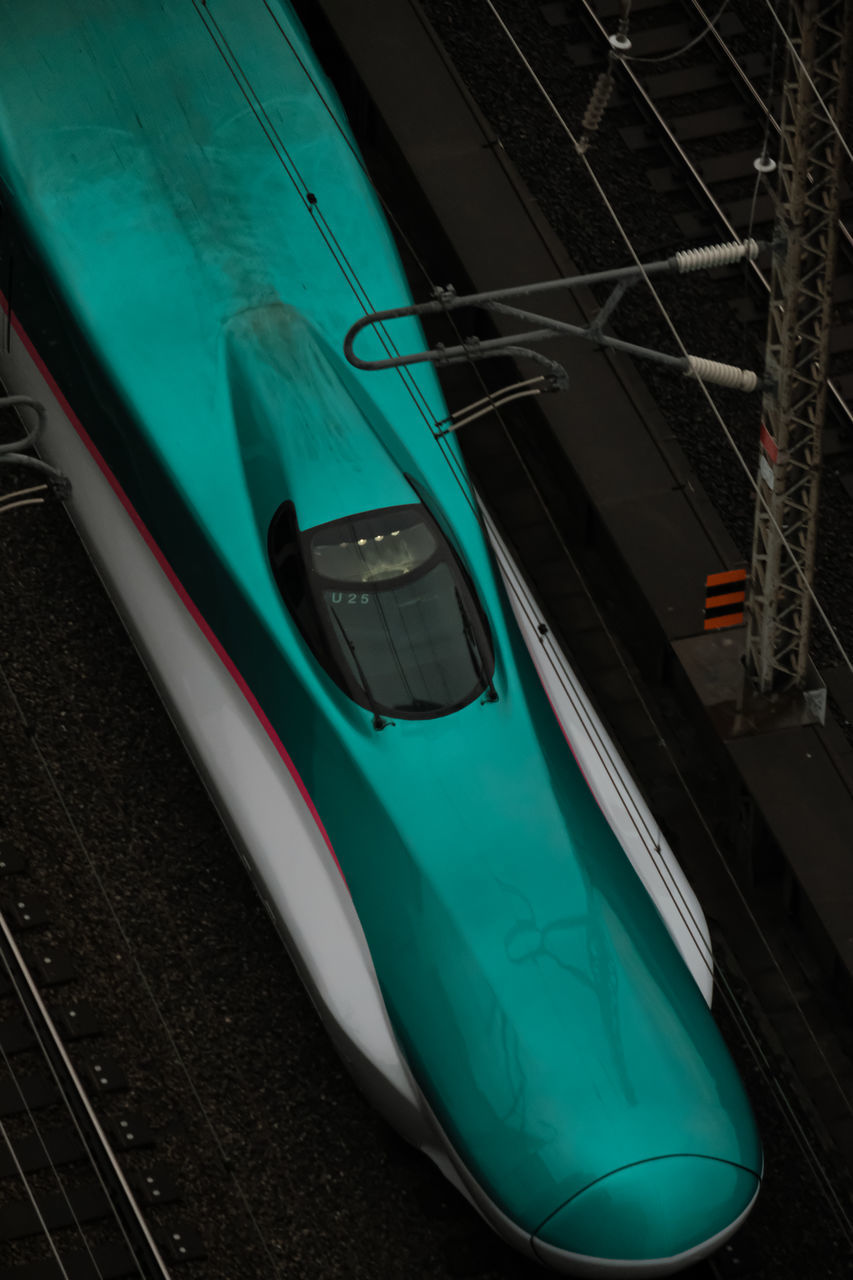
(175, 581)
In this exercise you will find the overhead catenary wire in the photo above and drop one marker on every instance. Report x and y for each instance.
(310, 200)
(438, 427)
(620, 51)
(450, 455)
(710, 24)
(762, 165)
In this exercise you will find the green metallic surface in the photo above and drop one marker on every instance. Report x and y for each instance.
(652, 1209)
(539, 999)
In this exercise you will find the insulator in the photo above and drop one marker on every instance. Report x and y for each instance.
(716, 255)
(724, 375)
(598, 103)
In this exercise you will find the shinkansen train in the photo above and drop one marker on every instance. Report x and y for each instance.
(499, 941)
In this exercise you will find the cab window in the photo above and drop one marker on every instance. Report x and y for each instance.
(389, 611)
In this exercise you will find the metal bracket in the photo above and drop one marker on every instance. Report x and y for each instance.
(11, 452)
(496, 301)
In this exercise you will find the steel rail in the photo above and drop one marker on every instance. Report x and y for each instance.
(126, 1211)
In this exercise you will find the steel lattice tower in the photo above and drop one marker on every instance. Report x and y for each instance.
(810, 157)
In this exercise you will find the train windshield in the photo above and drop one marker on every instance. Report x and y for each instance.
(402, 626)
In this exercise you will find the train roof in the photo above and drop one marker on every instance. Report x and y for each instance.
(182, 181)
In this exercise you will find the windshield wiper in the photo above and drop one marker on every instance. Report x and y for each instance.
(379, 721)
(475, 652)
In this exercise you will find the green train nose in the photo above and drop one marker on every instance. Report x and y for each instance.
(653, 1210)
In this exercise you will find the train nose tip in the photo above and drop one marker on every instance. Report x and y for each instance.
(672, 1209)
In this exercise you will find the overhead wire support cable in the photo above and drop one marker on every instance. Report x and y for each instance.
(497, 301)
(620, 49)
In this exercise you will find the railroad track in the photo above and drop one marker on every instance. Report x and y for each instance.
(81, 1191)
(711, 115)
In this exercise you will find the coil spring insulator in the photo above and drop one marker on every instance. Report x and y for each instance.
(598, 103)
(716, 255)
(724, 375)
